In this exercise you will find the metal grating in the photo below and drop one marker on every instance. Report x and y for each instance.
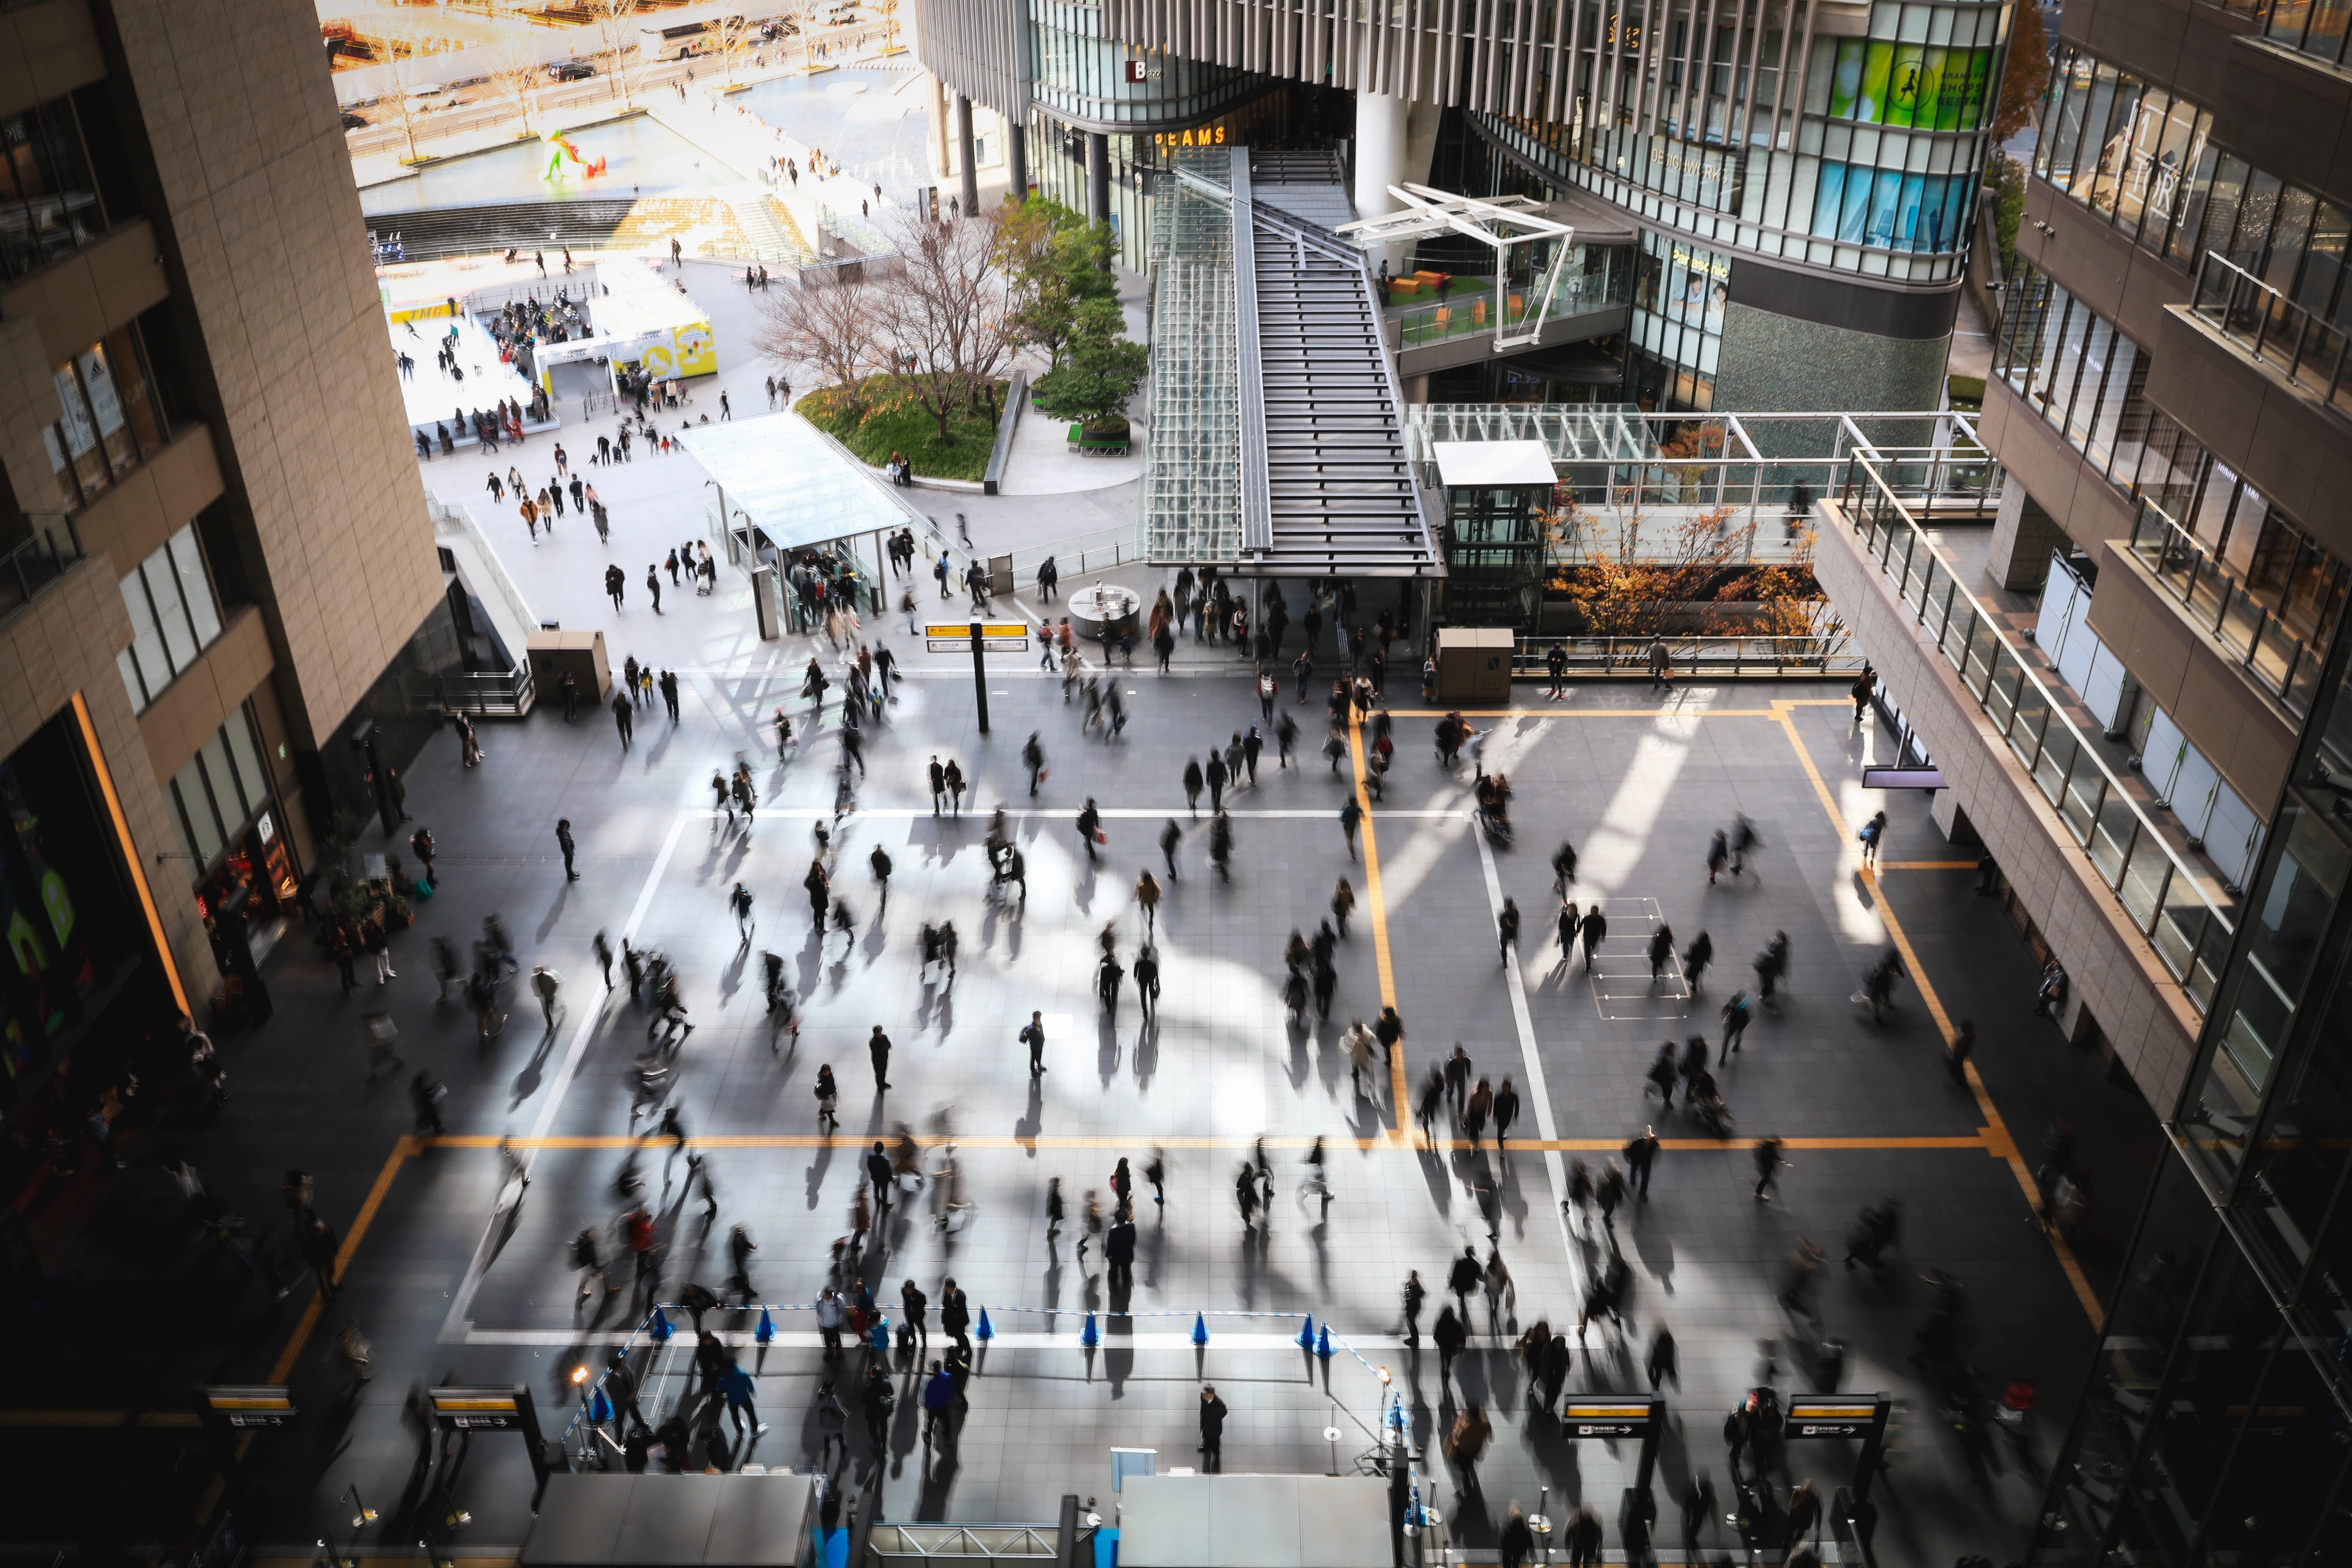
(1191, 455)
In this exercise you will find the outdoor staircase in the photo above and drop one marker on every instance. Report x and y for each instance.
(770, 232)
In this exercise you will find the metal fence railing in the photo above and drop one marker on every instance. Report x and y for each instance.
(1830, 654)
(2297, 343)
(39, 562)
(2164, 897)
(2268, 646)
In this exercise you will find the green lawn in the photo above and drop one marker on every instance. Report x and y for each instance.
(894, 422)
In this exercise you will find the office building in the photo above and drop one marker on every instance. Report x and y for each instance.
(218, 552)
(1799, 181)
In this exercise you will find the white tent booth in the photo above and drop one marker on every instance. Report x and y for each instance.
(641, 318)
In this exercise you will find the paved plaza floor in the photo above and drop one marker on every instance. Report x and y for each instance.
(450, 1285)
(447, 1286)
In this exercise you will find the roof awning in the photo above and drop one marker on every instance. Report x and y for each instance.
(795, 483)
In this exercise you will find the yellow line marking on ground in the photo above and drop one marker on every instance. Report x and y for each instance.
(401, 1151)
(1926, 865)
(1376, 913)
(1583, 712)
(1996, 1138)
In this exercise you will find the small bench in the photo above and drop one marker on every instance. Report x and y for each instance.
(1088, 446)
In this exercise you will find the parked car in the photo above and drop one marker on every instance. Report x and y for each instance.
(570, 70)
(353, 121)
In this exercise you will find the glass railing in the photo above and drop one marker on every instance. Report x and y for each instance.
(39, 560)
(2166, 901)
(2273, 329)
(2211, 595)
(1465, 314)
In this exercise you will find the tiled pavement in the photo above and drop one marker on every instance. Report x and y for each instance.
(1638, 784)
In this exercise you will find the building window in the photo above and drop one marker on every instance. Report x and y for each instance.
(2129, 151)
(109, 418)
(49, 205)
(219, 794)
(2307, 26)
(1679, 293)
(174, 616)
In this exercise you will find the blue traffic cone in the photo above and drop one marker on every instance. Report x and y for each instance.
(1200, 1328)
(987, 1331)
(600, 1408)
(766, 1332)
(1323, 1341)
(1089, 1336)
(657, 1327)
(1306, 1340)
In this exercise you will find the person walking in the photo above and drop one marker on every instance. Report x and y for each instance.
(1736, 1013)
(1718, 855)
(624, 718)
(1659, 657)
(1767, 1167)
(1147, 980)
(653, 585)
(1451, 1337)
(1032, 757)
(318, 1247)
(1415, 1293)
(1594, 931)
(1871, 832)
(1457, 1080)
(1212, 1431)
(1034, 1036)
(1147, 898)
(1507, 1110)
(1506, 931)
(1089, 827)
(1865, 687)
(1662, 1362)
(422, 843)
(1641, 1154)
(1352, 814)
(546, 983)
(1661, 951)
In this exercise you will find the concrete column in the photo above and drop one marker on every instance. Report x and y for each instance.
(967, 155)
(2023, 536)
(1016, 160)
(1382, 160)
(1098, 176)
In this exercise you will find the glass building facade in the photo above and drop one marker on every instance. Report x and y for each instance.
(2215, 1427)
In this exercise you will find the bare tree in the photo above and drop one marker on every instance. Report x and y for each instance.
(398, 104)
(888, 10)
(728, 34)
(515, 72)
(947, 321)
(617, 30)
(803, 14)
(828, 325)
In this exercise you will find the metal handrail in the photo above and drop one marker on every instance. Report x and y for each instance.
(37, 563)
(2276, 330)
(2164, 897)
(2215, 598)
(1420, 324)
(1831, 653)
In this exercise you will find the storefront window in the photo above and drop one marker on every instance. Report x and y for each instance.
(219, 794)
(2307, 1138)
(2286, 918)
(174, 616)
(108, 417)
(49, 202)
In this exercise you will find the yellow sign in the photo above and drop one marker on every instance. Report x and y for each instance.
(1206, 136)
(987, 629)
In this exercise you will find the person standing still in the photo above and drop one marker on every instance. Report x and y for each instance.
(1212, 1431)
(877, 1046)
(653, 585)
(1034, 1036)
(564, 842)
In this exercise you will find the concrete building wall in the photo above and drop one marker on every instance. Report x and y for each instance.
(267, 247)
(1772, 361)
(2116, 973)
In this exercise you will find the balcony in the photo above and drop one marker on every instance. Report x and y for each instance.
(39, 562)
(2282, 652)
(2156, 890)
(2273, 330)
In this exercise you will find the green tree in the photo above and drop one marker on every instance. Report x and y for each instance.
(1100, 368)
(1054, 262)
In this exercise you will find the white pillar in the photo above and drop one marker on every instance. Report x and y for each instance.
(1381, 161)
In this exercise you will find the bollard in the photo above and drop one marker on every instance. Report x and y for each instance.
(1200, 1328)
(657, 1327)
(1089, 1336)
(987, 1331)
(1323, 1341)
(766, 1332)
(1306, 1340)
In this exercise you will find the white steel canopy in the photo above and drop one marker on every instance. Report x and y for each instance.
(1500, 223)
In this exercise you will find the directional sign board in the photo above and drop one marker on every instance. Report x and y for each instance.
(250, 1406)
(1832, 1417)
(497, 1408)
(1609, 1418)
(996, 637)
